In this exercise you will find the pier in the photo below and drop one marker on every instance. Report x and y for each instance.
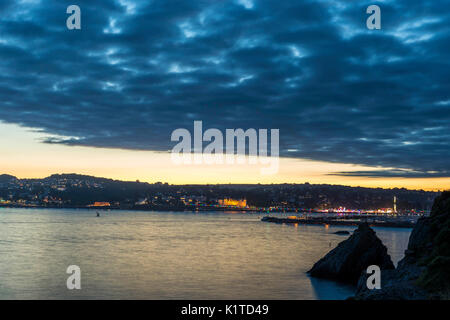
(351, 220)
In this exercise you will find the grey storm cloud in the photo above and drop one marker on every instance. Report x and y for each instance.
(137, 70)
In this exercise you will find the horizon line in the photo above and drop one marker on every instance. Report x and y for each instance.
(229, 183)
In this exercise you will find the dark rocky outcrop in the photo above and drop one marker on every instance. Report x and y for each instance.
(351, 257)
(395, 285)
(424, 272)
(342, 232)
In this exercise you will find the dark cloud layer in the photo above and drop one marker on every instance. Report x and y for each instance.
(140, 69)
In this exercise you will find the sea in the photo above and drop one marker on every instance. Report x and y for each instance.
(168, 255)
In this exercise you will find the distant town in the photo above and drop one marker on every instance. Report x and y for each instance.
(80, 191)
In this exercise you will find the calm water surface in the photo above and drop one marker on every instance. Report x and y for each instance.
(155, 255)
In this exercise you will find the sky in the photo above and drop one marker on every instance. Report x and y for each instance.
(354, 106)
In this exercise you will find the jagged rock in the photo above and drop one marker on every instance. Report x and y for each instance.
(431, 249)
(394, 286)
(420, 241)
(424, 271)
(351, 257)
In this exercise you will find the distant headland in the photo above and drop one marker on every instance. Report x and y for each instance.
(82, 191)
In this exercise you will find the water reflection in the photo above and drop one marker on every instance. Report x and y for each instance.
(331, 290)
(151, 255)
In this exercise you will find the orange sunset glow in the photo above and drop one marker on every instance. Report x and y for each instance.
(24, 155)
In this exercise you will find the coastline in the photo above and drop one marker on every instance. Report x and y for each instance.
(208, 208)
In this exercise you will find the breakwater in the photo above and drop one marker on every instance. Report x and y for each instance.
(373, 221)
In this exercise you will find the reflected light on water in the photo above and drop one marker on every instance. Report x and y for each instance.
(152, 255)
